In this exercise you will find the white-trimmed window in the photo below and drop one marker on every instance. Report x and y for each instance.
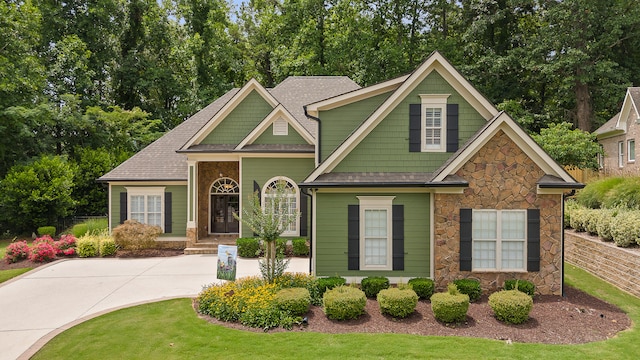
(146, 205)
(434, 122)
(499, 240)
(280, 127)
(620, 153)
(631, 150)
(376, 232)
(289, 204)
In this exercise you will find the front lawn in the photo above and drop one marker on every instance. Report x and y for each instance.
(172, 330)
(11, 273)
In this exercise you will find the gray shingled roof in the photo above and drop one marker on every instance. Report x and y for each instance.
(159, 160)
(610, 126)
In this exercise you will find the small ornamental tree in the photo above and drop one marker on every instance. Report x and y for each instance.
(570, 147)
(268, 221)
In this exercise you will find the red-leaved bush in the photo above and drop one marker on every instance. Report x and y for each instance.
(42, 251)
(17, 251)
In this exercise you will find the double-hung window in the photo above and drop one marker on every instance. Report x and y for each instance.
(620, 153)
(376, 232)
(287, 205)
(145, 205)
(631, 150)
(434, 122)
(499, 240)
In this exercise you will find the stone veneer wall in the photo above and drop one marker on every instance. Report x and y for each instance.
(618, 266)
(500, 176)
(208, 172)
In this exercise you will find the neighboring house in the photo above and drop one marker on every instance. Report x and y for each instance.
(618, 137)
(418, 176)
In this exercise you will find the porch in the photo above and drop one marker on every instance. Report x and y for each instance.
(209, 244)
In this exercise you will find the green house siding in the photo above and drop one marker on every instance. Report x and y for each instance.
(292, 138)
(239, 123)
(337, 124)
(386, 148)
(178, 207)
(331, 235)
(261, 170)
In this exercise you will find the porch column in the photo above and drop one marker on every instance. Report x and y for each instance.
(192, 203)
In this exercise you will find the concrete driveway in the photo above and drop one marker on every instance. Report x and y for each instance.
(50, 299)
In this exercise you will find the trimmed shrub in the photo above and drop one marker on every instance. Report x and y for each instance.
(625, 228)
(373, 284)
(396, 302)
(47, 230)
(300, 247)
(569, 206)
(329, 283)
(88, 246)
(17, 251)
(450, 306)
(344, 302)
(524, 286)
(578, 219)
(591, 217)
(593, 195)
(423, 287)
(79, 230)
(603, 224)
(107, 247)
(470, 287)
(248, 247)
(302, 280)
(133, 235)
(42, 251)
(511, 306)
(295, 301)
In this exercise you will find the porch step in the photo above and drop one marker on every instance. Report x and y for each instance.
(210, 244)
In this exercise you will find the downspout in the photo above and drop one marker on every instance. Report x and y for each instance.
(318, 157)
(310, 226)
(564, 196)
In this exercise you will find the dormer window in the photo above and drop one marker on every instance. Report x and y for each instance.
(280, 127)
(433, 128)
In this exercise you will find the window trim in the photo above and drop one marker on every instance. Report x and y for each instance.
(264, 195)
(434, 101)
(620, 154)
(376, 203)
(631, 153)
(146, 191)
(499, 240)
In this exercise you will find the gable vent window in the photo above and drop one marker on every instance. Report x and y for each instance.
(280, 127)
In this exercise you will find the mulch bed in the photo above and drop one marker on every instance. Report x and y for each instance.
(575, 319)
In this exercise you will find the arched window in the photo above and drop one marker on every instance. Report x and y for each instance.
(289, 203)
(225, 185)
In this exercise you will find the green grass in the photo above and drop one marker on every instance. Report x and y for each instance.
(171, 330)
(9, 274)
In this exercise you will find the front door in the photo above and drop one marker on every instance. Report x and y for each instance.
(222, 209)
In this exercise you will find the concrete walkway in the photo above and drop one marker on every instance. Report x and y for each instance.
(50, 299)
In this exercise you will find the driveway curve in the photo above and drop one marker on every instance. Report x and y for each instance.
(48, 300)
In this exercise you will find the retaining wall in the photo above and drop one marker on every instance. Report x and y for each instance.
(618, 266)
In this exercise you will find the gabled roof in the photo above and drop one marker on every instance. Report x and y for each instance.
(618, 124)
(503, 122)
(435, 62)
(280, 112)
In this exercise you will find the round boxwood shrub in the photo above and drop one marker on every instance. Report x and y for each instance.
(525, 286)
(47, 230)
(344, 302)
(450, 306)
(295, 301)
(373, 284)
(300, 247)
(470, 287)
(329, 283)
(423, 287)
(396, 302)
(511, 306)
(248, 247)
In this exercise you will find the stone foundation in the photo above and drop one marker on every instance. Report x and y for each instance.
(618, 266)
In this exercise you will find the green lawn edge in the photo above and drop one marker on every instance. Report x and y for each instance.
(171, 330)
(10, 274)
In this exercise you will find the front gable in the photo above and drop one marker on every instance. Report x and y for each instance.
(279, 127)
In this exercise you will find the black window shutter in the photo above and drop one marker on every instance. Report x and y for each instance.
(452, 127)
(398, 237)
(303, 215)
(466, 231)
(123, 207)
(533, 240)
(353, 237)
(168, 219)
(256, 190)
(415, 122)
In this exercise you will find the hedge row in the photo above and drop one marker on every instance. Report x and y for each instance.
(252, 247)
(621, 226)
